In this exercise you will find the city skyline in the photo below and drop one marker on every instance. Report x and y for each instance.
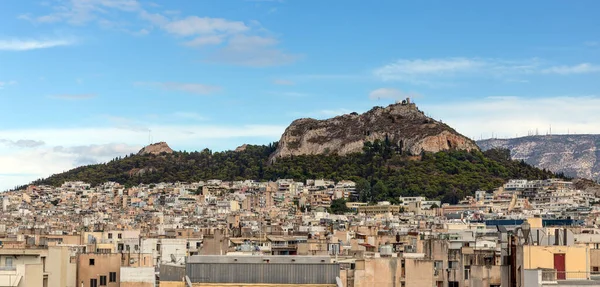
(85, 81)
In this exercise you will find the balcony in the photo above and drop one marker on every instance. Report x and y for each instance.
(552, 277)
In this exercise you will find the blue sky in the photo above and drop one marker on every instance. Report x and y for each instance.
(83, 81)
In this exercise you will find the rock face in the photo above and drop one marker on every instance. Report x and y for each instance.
(403, 124)
(241, 148)
(574, 155)
(156, 149)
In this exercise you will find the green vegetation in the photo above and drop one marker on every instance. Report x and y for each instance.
(381, 171)
(338, 206)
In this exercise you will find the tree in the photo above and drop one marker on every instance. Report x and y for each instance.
(338, 206)
(363, 188)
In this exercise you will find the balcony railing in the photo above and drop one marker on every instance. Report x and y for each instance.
(8, 268)
(552, 275)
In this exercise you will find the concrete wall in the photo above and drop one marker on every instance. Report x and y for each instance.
(379, 272)
(576, 258)
(34, 276)
(594, 259)
(419, 272)
(137, 277)
(62, 272)
(483, 276)
(104, 264)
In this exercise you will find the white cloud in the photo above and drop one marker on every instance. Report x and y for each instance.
(194, 25)
(283, 82)
(391, 93)
(205, 40)
(584, 68)
(22, 143)
(192, 88)
(434, 71)
(66, 148)
(31, 44)
(254, 51)
(79, 12)
(512, 116)
(9, 83)
(189, 116)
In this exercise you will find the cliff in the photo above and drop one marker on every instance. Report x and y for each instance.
(573, 155)
(402, 123)
(156, 149)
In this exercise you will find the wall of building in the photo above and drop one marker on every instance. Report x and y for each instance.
(137, 277)
(34, 276)
(594, 260)
(103, 265)
(378, 272)
(484, 276)
(62, 271)
(419, 272)
(576, 258)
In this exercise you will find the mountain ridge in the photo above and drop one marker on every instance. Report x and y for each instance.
(574, 155)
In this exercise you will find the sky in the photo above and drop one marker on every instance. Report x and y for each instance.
(85, 81)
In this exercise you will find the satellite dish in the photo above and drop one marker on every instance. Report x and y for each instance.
(173, 259)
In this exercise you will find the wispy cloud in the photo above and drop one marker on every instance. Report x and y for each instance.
(205, 40)
(391, 93)
(584, 68)
(592, 44)
(192, 88)
(190, 116)
(430, 71)
(74, 97)
(9, 83)
(254, 51)
(518, 116)
(32, 44)
(80, 12)
(194, 25)
(22, 143)
(238, 42)
(283, 82)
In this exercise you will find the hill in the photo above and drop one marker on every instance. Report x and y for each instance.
(380, 172)
(402, 124)
(390, 152)
(573, 155)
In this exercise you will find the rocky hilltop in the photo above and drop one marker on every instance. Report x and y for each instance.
(156, 149)
(402, 123)
(574, 155)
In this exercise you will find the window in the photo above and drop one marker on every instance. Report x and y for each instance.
(595, 269)
(136, 247)
(467, 272)
(119, 236)
(93, 282)
(92, 262)
(8, 262)
(452, 264)
(110, 236)
(112, 276)
(103, 280)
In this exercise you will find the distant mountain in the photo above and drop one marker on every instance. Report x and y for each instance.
(401, 124)
(573, 155)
